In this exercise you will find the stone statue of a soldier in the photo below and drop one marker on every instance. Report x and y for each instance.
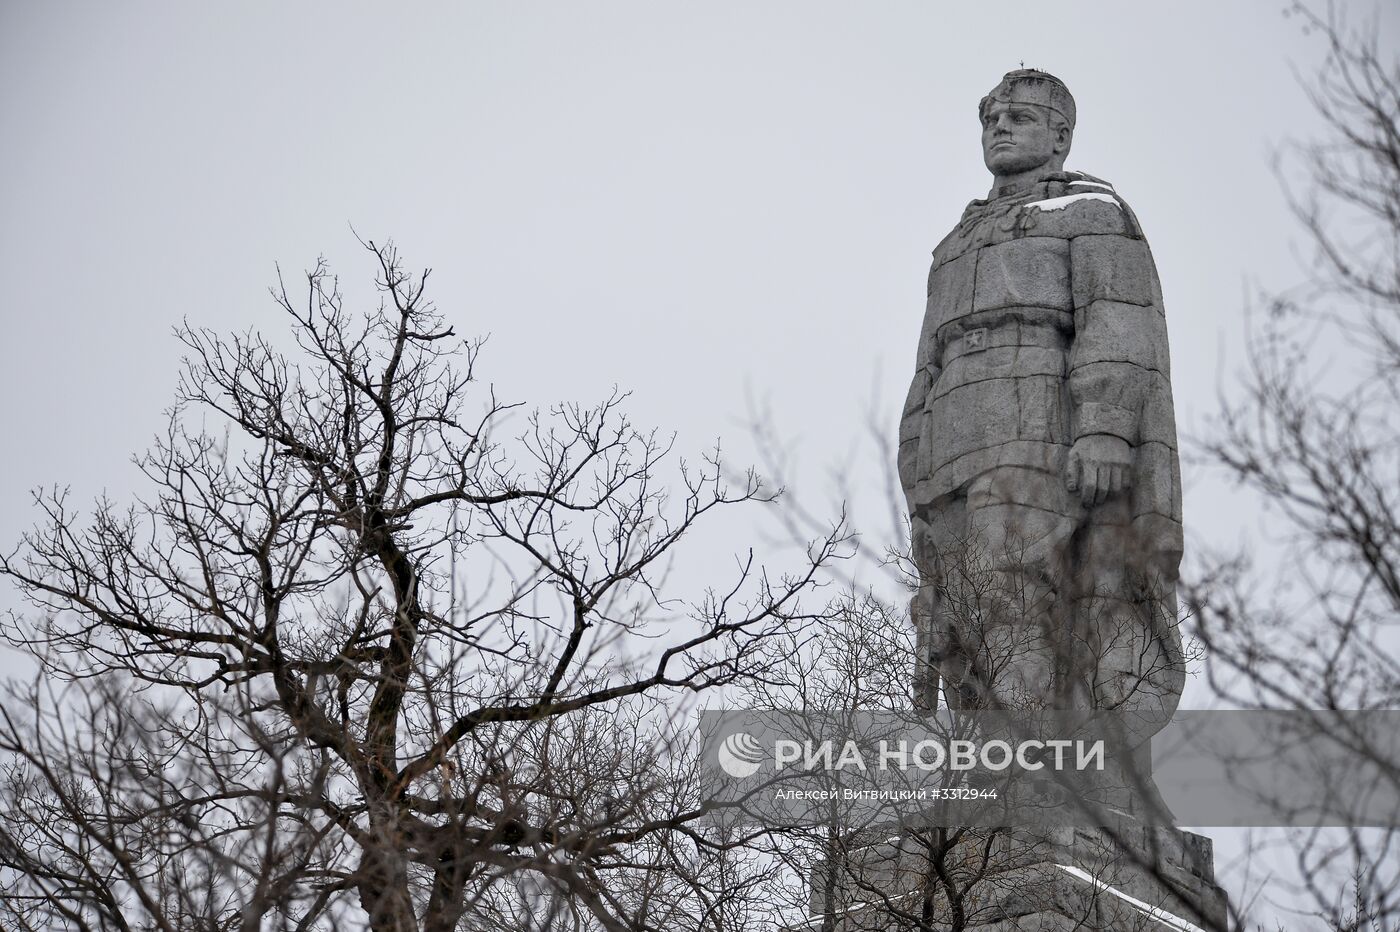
(1037, 448)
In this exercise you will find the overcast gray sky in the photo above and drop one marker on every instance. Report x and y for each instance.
(689, 201)
(682, 199)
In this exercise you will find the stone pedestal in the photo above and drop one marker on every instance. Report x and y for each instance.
(1120, 877)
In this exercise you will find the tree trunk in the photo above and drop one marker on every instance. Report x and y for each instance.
(383, 885)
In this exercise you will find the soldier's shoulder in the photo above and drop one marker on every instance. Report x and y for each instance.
(1077, 204)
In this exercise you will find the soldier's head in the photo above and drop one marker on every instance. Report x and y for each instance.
(1027, 123)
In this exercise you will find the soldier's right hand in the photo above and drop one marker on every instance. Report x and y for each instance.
(1099, 465)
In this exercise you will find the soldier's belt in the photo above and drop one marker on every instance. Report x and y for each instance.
(980, 339)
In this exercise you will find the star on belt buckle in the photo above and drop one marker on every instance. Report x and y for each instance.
(974, 341)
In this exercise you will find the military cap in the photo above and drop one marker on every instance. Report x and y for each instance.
(1030, 86)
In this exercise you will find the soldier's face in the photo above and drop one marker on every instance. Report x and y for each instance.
(1019, 137)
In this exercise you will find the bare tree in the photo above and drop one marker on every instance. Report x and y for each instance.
(362, 660)
(1314, 433)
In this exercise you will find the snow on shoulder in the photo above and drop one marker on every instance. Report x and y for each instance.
(1057, 203)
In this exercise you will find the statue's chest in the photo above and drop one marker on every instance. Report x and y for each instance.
(997, 263)
(984, 227)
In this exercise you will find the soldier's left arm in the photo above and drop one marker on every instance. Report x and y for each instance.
(1119, 350)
